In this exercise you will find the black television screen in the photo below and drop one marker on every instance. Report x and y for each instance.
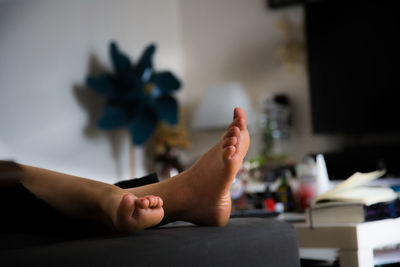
(353, 52)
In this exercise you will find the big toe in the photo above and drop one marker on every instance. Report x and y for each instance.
(240, 118)
(124, 212)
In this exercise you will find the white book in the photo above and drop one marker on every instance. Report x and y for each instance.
(354, 190)
(353, 202)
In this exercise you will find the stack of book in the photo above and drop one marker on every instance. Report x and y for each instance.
(352, 201)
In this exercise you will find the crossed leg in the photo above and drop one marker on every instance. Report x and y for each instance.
(199, 195)
(87, 199)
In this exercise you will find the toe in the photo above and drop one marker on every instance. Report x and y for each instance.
(228, 152)
(236, 112)
(240, 118)
(153, 201)
(235, 122)
(230, 141)
(160, 202)
(242, 124)
(239, 112)
(156, 202)
(233, 131)
(142, 203)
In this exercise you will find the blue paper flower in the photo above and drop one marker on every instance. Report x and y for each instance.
(137, 96)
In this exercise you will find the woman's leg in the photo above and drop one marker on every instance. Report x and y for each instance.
(199, 195)
(87, 199)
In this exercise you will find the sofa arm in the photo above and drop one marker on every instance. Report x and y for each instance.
(243, 242)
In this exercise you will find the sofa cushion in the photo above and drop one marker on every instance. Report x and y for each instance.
(244, 241)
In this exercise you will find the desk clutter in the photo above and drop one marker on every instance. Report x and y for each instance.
(295, 189)
(279, 185)
(274, 189)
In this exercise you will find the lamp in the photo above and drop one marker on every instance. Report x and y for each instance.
(215, 110)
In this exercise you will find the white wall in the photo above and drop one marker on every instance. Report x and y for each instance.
(45, 47)
(236, 40)
(44, 50)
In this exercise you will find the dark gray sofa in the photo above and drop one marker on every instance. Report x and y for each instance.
(33, 233)
(243, 242)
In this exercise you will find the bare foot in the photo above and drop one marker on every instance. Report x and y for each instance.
(200, 194)
(130, 214)
(209, 179)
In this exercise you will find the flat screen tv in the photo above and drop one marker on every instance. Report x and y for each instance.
(353, 52)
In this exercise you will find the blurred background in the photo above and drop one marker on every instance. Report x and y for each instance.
(48, 116)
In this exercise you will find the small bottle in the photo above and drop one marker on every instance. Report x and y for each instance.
(285, 194)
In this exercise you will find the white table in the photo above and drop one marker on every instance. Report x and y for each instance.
(355, 243)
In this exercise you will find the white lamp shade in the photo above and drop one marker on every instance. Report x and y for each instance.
(216, 109)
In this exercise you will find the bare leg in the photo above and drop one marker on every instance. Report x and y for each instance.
(201, 194)
(87, 199)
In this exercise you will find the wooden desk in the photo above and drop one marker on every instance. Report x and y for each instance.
(356, 242)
